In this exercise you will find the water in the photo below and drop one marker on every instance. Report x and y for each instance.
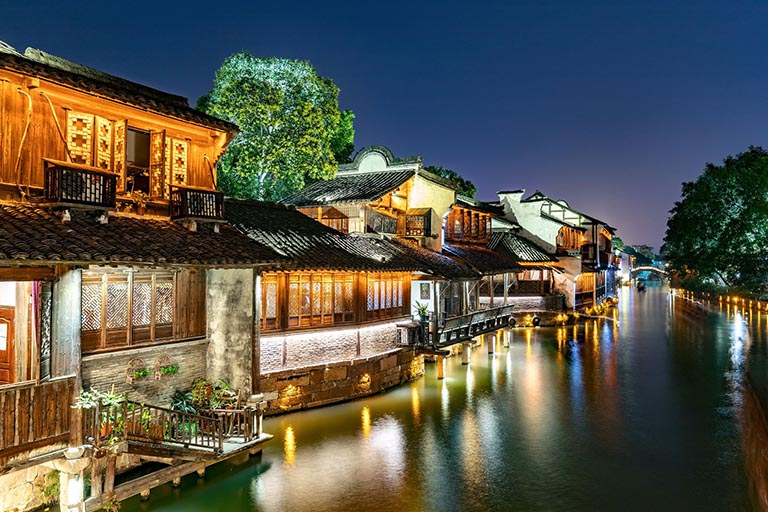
(651, 411)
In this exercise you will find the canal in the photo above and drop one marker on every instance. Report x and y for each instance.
(651, 410)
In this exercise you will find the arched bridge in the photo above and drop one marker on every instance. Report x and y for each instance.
(659, 271)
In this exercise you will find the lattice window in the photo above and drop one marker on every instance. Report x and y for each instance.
(142, 304)
(45, 330)
(119, 157)
(269, 309)
(316, 297)
(385, 295)
(157, 163)
(117, 305)
(293, 299)
(164, 302)
(178, 162)
(80, 137)
(90, 307)
(103, 143)
(125, 308)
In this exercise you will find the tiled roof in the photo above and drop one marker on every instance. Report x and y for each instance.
(33, 235)
(439, 265)
(521, 249)
(352, 187)
(40, 64)
(310, 245)
(481, 258)
(481, 206)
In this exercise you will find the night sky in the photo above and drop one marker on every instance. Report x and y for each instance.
(609, 105)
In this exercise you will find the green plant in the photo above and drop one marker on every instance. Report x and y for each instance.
(110, 503)
(171, 369)
(141, 373)
(140, 198)
(421, 309)
(51, 488)
(182, 402)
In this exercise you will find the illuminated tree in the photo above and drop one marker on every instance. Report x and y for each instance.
(720, 226)
(289, 125)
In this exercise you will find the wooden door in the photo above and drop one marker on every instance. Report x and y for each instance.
(7, 373)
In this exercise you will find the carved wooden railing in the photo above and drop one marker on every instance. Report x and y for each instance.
(35, 415)
(466, 327)
(242, 423)
(194, 203)
(79, 186)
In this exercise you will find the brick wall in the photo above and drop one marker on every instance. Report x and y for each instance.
(535, 303)
(326, 345)
(101, 371)
(318, 385)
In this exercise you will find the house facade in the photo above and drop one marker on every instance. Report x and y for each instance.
(117, 270)
(581, 243)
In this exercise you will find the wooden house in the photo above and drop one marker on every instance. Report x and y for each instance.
(514, 270)
(115, 265)
(581, 242)
(335, 317)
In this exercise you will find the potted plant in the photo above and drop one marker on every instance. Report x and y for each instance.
(170, 369)
(422, 310)
(140, 200)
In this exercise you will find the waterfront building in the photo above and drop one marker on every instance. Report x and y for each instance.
(581, 243)
(117, 272)
(335, 316)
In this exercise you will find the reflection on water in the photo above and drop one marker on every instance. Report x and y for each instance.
(657, 406)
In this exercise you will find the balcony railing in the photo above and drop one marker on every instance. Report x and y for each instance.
(35, 416)
(196, 204)
(466, 327)
(79, 186)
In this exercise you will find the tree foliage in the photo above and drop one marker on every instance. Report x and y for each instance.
(289, 125)
(343, 140)
(720, 225)
(466, 188)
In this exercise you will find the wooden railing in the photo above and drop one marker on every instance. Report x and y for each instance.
(466, 327)
(242, 423)
(152, 424)
(80, 186)
(193, 203)
(35, 415)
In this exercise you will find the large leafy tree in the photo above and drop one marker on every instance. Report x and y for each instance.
(720, 225)
(466, 188)
(343, 140)
(289, 123)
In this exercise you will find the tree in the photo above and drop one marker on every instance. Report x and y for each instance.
(343, 140)
(288, 117)
(466, 188)
(720, 226)
(617, 243)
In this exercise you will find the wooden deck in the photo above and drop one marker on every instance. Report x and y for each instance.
(465, 327)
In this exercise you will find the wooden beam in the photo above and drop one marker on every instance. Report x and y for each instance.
(27, 273)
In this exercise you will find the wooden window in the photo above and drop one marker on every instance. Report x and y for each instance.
(385, 295)
(313, 300)
(129, 308)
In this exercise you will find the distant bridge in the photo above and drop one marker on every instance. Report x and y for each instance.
(637, 270)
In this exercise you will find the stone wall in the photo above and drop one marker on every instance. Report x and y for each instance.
(230, 304)
(29, 488)
(315, 386)
(536, 303)
(101, 371)
(303, 349)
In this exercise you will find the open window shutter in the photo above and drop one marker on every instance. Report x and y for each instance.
(103, 149)
(80, 137)
(120, 132)
(179, 154)
(157, 164)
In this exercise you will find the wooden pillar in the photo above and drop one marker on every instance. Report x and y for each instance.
(440, 367)
(506, 288)
(109, 479)
(465, 353)
(97, 480)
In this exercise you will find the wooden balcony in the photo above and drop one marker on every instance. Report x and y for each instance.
(79, 186)
(465, 327)
(196, 204)
(162, 432)
(33, 416)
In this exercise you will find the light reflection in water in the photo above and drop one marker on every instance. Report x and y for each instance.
(470, 383)
(415, 405)
(289, 446)
(365, 415)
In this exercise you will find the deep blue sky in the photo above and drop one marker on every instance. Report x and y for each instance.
(607, 104)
